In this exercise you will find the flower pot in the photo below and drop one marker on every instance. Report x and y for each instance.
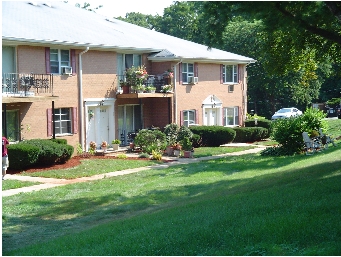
(169, 150)
(115, 147)
(176, 153)
(125, 89)
(188, 154)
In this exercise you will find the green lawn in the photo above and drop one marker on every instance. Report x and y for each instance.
(243, 205)
(12, 184)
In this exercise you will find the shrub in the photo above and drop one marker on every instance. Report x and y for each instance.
(50, 151)
(288, 132)
(250, 134)
(214, 135)
(264, 123)
(196, 140)
(184, 132)
(171, 132)
(21, 156)
(59, 141)
(156, 155)
(149, 140)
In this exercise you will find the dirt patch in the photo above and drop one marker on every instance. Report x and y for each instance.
(74, 161)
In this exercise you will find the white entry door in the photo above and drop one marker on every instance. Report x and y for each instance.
(211, 117)
(98, 125)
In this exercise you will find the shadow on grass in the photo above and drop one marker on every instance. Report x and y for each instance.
(67, 214)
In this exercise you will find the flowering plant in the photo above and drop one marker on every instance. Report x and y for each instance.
(104, 144)
(168, 73)
(167, 88)
(93, 145)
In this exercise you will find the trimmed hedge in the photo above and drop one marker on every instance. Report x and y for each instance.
(44, 151)
(250, 134)
(214, 135)
(21, 156)
(264, 123)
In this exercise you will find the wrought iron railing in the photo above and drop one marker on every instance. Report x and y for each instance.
(19, 84)
(157, 81)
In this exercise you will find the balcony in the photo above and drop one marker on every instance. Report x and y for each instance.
(19, 87)
(157, 81)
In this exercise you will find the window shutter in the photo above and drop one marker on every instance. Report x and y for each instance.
(181, 117)
(74, 120)
(195, 69)
(47, 60)
(49, 121)
(196, 116)
(221, 74)
(180, 73)
(73, 61)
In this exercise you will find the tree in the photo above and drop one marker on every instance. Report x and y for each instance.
(292, 27)
(142, 20)
(86, 6)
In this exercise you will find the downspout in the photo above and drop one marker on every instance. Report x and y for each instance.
(175, 101)
(80, 104)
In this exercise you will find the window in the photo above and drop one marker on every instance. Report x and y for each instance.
(132, 60)
(62, 121)
(230, 116)
(230, 73)
(58, 59)
(187, 72)
(231, 88)
(12, 125)
(188, 117)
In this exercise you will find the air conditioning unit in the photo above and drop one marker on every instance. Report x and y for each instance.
(67, 70)
(193, 80)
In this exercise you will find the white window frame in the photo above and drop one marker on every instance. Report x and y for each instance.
(186, 117)
(187, 72)
(60, 120)
(58, 62)
(233, 76)
(227, 117)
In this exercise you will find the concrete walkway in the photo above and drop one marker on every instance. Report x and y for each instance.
(52, 182)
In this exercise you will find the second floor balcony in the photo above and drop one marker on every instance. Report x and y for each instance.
(20, 85)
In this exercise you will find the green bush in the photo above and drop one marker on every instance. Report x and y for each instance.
(59, 141)
(184, 132)
(51, 152)
(214, 135)
(264, 123)
(171, 132)
(21, 156)
(288, 132)
(250, 134)
(149, 140)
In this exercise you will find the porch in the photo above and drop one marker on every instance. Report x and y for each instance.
(21, 87)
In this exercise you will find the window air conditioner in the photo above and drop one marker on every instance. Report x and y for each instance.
(67, 70)
(193, 80)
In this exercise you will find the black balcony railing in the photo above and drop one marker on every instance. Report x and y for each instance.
(157, 81)
(19, 84)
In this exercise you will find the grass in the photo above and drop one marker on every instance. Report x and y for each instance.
(92, 167)
(210, 151)
(245, 205)
(12, 184)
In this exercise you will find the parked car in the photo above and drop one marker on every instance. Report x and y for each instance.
(286, 113)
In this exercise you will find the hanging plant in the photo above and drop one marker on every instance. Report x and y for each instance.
(91, 114)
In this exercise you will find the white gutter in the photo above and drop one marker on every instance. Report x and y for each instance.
(81, 107)
(175, 101)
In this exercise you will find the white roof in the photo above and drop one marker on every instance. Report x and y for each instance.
(60, 23)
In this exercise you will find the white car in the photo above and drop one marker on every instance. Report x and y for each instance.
(286, 113)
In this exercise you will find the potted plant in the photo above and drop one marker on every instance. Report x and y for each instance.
(125, 86)
(139, 88)
(187, 147)
(104, 146)
(115, 144)
(150, 89)
(167, 88)
(177, 149)
(93, 147)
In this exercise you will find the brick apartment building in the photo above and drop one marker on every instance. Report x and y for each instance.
(63, 65)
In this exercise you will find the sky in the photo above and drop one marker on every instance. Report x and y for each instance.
(120, 8)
